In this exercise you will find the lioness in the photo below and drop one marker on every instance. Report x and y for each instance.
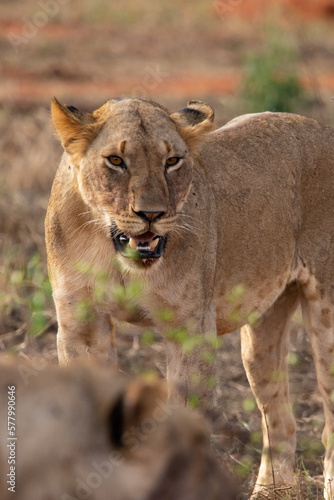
(225, 229)
(77, 436)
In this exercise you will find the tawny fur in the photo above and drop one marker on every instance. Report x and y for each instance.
(88, 432)
(250, 221)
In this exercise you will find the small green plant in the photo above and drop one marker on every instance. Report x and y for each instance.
(26, 292)
(311, 448)
(271, 82)
(244, 467)
(193, 401)
(249, 404)
(308, 480)
(39, 294)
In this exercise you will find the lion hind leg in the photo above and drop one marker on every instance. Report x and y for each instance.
(264, 352)
(318, 312)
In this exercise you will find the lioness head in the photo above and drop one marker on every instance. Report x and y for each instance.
(133, 162)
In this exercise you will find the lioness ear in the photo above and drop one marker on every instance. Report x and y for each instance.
(76, 129)
(194, 122)
(140, 400)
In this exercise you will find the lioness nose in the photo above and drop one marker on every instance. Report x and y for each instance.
(149, 216)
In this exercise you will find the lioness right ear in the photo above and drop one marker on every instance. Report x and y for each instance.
(76, 129)
(194, 122)
(137, 402)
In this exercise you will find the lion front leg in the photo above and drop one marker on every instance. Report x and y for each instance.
(191, 364)
(84, 331)
(191, 376)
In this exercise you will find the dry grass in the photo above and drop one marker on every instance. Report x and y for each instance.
(304, 488)
(148, 14)
(30, 153)
(27, 165)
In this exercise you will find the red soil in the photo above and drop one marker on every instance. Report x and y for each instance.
(18, 85)
(255, 9)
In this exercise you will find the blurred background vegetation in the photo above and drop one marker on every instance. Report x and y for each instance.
(239, 55)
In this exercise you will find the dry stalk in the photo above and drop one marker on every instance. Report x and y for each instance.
(270, 451)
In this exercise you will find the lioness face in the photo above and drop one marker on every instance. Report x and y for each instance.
(137, 174)
(134, 168)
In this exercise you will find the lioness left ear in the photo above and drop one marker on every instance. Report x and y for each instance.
(76, 129)
(194, 122)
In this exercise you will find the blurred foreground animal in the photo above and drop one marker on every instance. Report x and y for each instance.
(87, 433)
(222, 229)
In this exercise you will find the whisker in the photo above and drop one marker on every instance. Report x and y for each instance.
(183, 227)
(85, 213)
(176, 231)
(196, 221)
(187, 226)
(97, 222)
(178, 226)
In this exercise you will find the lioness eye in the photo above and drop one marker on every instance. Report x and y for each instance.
(172, 161)
(116, 160)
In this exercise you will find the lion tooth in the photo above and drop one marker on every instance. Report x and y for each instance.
(132, 244)
(154, 243)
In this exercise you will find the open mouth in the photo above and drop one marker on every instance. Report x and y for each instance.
(144, 246)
